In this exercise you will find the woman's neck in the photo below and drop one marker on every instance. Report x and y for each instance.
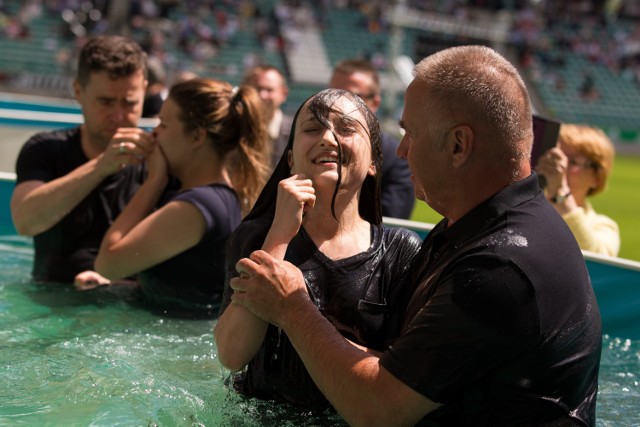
(345, 236)
(204, 171)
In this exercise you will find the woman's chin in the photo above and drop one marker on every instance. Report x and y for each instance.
(325, 178)
(321, 171)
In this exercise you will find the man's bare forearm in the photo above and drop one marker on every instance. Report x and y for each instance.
(37, 206)
(351, 379)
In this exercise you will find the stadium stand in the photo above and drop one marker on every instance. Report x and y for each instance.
(581, 57)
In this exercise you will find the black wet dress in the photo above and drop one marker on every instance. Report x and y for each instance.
(357, 295)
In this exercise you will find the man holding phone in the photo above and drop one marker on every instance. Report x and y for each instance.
(72, 183)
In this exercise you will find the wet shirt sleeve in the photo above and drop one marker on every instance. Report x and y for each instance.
(39, 160)
(458, 335)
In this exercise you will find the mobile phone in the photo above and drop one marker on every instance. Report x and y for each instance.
(545, 136)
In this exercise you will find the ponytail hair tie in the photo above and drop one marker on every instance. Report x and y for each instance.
(234, 91)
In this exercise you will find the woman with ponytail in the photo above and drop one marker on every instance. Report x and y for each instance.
(212, 139)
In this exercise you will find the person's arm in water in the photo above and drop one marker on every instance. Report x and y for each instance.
(142, 237)
(36, 206)
(239, 333)
(355, 383)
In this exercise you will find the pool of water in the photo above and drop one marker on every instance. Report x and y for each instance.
(94, 358)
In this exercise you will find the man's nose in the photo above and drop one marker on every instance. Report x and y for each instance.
(118, 113)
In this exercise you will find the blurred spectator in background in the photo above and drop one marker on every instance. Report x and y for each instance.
(159, 83)
(72, 183)
(360, 77)
(156, 89)
(272, 87)
(587, 89)
(184, 75)
(577, 168)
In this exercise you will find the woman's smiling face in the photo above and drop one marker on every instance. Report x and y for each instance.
(323, 148)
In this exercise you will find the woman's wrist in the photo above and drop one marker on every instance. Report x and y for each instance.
(563, 201)
(157, 179)
(560, 197)
(276, 242)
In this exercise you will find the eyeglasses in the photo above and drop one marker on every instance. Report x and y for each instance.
(582, 164)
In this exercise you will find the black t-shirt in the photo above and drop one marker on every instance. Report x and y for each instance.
(191, 283)
(504, 327)
(357, 295)
(71, 245)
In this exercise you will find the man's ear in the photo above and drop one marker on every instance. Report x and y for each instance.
(375, 102)
(77, 88)
(463, 141)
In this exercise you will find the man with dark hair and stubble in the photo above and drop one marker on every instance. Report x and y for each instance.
(72, 183)
(359, 76)
(501, 327)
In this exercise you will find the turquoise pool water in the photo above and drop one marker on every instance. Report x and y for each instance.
(79, 359)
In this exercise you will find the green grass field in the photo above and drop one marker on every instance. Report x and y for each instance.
(620, 201)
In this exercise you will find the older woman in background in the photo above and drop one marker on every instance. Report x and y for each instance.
(578, 168)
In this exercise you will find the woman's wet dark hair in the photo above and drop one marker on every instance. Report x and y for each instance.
(321, 106)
